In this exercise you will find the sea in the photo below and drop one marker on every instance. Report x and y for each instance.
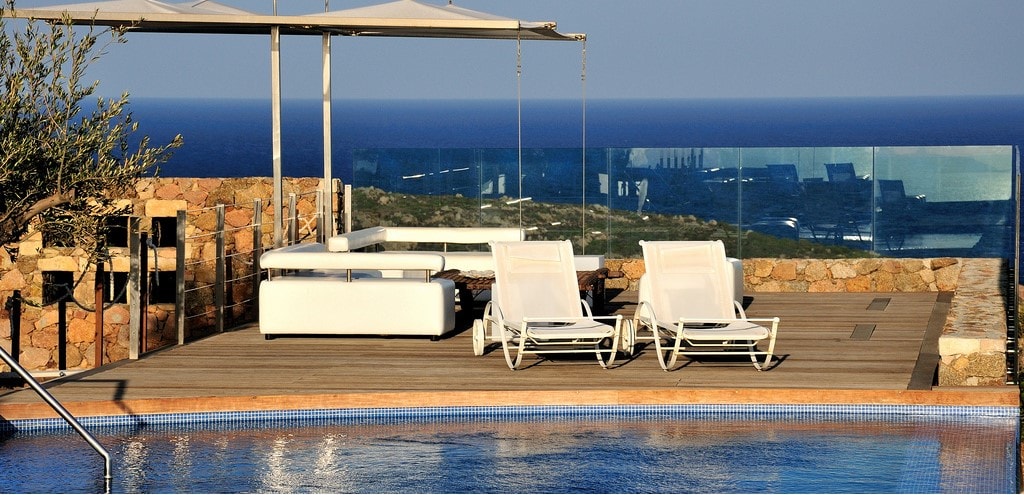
(232, 137)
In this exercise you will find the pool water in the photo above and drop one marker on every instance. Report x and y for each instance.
(556, 453)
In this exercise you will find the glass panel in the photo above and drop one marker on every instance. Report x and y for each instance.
(944, 201)
(829, 202)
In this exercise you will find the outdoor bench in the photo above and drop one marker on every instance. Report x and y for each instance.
(466, 261)
(320, 292)
(472, 270)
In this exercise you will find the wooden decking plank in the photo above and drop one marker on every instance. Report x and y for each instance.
(814, 345)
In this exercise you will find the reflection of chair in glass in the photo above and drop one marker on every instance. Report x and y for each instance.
(853, 194)
(686, 298)
(784, 227)
(823, 212)
(784, 178)
(896, 212)
(840, 172)
(784, 173)
(535, 306)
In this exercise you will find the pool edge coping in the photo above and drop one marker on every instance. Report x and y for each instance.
(965, 397)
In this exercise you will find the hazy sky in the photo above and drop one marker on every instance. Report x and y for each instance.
(636, 49)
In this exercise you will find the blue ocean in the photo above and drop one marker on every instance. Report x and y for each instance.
(230, 138)
(952, 160)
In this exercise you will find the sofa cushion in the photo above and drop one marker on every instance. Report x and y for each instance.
(357, 239)
(300, 305)
(435, 235)
(314, 256)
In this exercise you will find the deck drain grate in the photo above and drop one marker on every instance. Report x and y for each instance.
(862, 332)
(879, 304)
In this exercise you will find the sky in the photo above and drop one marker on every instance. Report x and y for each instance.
(635, 49)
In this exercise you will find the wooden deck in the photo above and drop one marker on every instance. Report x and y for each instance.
(834, 349)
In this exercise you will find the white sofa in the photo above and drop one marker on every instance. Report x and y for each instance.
(321, 292)
(461, 260)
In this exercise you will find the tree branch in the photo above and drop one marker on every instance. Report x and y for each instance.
(46, 203)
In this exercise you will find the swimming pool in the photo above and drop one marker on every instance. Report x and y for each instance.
(698, 449)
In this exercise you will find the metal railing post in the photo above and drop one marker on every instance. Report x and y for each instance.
(134, 302)
(220, 270)
(257, 250)
(14, 309)
(321, 228)
(62, 333)
(143, 292)
(348, 208)
(179, 277)
(293, 220)
(100, 285)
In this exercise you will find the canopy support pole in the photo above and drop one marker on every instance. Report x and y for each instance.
(328, 204)
(519, 120)
(583, 84)
(275, 111)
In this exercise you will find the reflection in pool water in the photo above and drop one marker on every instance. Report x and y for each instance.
(629, 454)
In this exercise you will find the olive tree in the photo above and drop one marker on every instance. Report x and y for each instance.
(63, 166)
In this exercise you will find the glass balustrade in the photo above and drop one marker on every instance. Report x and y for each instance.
(823, 202)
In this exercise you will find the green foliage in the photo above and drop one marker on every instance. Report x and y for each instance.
(61, 164)
(615, 233)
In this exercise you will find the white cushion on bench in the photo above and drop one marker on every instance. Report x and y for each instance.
(313, 305)
(314, 256)
(437, 235)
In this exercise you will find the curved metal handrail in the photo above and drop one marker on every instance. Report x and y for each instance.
(59, 409)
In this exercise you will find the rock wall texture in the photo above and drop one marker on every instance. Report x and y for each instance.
(23, 270)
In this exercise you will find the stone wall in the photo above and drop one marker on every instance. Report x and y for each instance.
(972, 346)
(153, 198)
(839, 275)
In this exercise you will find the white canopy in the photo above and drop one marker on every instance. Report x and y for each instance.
(418, 19)
(399, 18)
(409, 18)
(147, 7)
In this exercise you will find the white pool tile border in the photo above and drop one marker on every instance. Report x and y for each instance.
(786, 413)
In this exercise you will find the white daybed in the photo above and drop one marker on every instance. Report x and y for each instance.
(322, 292)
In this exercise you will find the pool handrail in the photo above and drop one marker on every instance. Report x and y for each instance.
(59, 409)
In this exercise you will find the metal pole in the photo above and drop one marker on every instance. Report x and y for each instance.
(293, 220)
(62, 333)
(257, 251)
(348, 208)
(275, 112)
(59, 409)
(134, 300)
(220, 261)
(321, 228)
(14, 307)
(328, 204)
(101, 274)
(179, 277)
(143, 292)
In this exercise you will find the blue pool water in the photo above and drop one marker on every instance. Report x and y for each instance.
(696, 449)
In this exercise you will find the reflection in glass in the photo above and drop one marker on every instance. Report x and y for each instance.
(763, 202)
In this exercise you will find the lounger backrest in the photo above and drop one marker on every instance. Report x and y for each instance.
(690, 279)
(535, 279)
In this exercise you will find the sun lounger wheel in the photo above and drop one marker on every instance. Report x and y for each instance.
(478, 337)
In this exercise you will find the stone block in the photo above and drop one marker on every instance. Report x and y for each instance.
(842, 269)
(34, 358)
(989, 365)
(164, 207)
(952, 346)
(58, 263)
(784, 270)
